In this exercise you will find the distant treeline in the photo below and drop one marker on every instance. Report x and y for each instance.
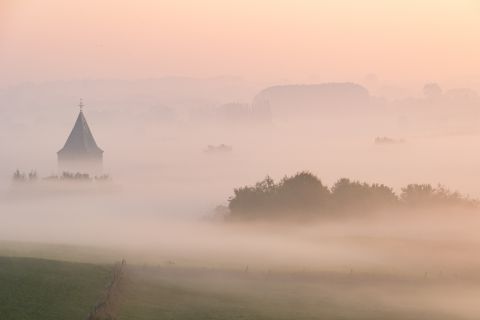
(304, 194)
(32, 176)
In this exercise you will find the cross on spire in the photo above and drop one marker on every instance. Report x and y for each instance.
(81, 105)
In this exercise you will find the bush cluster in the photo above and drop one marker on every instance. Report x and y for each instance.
(304, 194)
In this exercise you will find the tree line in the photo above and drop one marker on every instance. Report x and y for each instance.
(32, 176)
(305, 194)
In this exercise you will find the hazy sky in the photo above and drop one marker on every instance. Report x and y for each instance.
(406, 41)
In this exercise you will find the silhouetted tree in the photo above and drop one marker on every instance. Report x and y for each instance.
(303, 191)
(254, 199)
(32, 176)
(353, 195)
(426, 195)
(19, 176)
(416, 194)
(432, 91)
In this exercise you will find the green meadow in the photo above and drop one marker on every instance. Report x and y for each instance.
(38, 289)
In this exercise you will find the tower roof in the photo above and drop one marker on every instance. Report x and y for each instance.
(81, 141)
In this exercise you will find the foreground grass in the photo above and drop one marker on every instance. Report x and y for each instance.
(63, 252)
(196, 294)
(36, 289)
(41, 289)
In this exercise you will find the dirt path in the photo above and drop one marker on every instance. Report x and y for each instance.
(105, 308)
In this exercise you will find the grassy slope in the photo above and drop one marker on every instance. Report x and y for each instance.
(39, 289)
(63, 252)
(194, 294)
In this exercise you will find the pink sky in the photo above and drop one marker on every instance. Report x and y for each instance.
(407, 42)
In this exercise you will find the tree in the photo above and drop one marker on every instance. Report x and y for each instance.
(256, 199)
(348, 194)
(426, 195)
(300, 193)
(304, 192)
(417, 194)
(432, 90)
(19, 176)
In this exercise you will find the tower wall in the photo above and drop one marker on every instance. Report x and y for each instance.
(91, 164)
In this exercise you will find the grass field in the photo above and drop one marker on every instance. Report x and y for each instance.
(37, 289)
(42, 289)
(196, 294)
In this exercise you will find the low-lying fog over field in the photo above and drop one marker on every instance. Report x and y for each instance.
(168, 176)
(261, 159)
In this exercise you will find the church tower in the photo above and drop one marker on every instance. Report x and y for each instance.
(81, 153)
